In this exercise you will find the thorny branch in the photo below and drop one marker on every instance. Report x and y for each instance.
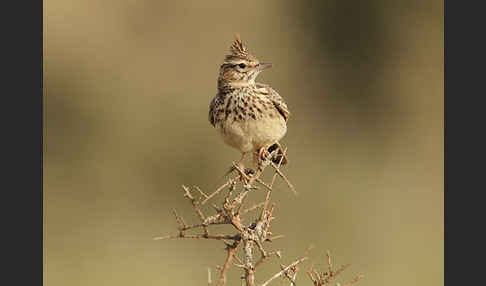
(326, 277)
(251, 236)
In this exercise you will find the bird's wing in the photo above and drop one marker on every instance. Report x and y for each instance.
(211, 114)
(276, 99)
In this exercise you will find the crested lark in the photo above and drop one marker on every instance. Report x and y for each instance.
(251, 117)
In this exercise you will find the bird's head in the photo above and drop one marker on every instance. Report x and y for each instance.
(239, 68)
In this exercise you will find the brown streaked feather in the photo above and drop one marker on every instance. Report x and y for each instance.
(276, 99)
(212, 106)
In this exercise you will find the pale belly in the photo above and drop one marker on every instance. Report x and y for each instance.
(251, 135)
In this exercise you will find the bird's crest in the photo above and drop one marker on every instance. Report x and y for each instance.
(237, 48)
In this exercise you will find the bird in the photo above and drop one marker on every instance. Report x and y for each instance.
(250, 116)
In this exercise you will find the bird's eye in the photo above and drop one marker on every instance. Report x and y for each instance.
(242, 66)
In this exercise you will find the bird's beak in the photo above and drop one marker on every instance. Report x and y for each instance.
(264, 66)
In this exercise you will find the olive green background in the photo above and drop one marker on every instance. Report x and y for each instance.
(127, 85)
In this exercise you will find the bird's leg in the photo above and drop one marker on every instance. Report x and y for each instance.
(273, 153)
(264, 155)
(239, 164)
(247, 171)
(259, 159)
(261, 154)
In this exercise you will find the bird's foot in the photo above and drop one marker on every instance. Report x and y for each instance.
(273, 153)
(241, 169)
(266, 155)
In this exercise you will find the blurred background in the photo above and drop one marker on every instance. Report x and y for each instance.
(127, 85)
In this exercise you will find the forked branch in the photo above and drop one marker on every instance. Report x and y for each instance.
(248, 235)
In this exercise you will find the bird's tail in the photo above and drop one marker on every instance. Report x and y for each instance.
(279, 155)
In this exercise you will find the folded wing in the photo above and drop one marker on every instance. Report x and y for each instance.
(277, 100)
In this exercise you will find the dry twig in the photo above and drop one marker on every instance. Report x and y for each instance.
(326, 277)
(250, 236)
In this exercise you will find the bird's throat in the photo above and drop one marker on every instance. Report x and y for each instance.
(234, 84)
